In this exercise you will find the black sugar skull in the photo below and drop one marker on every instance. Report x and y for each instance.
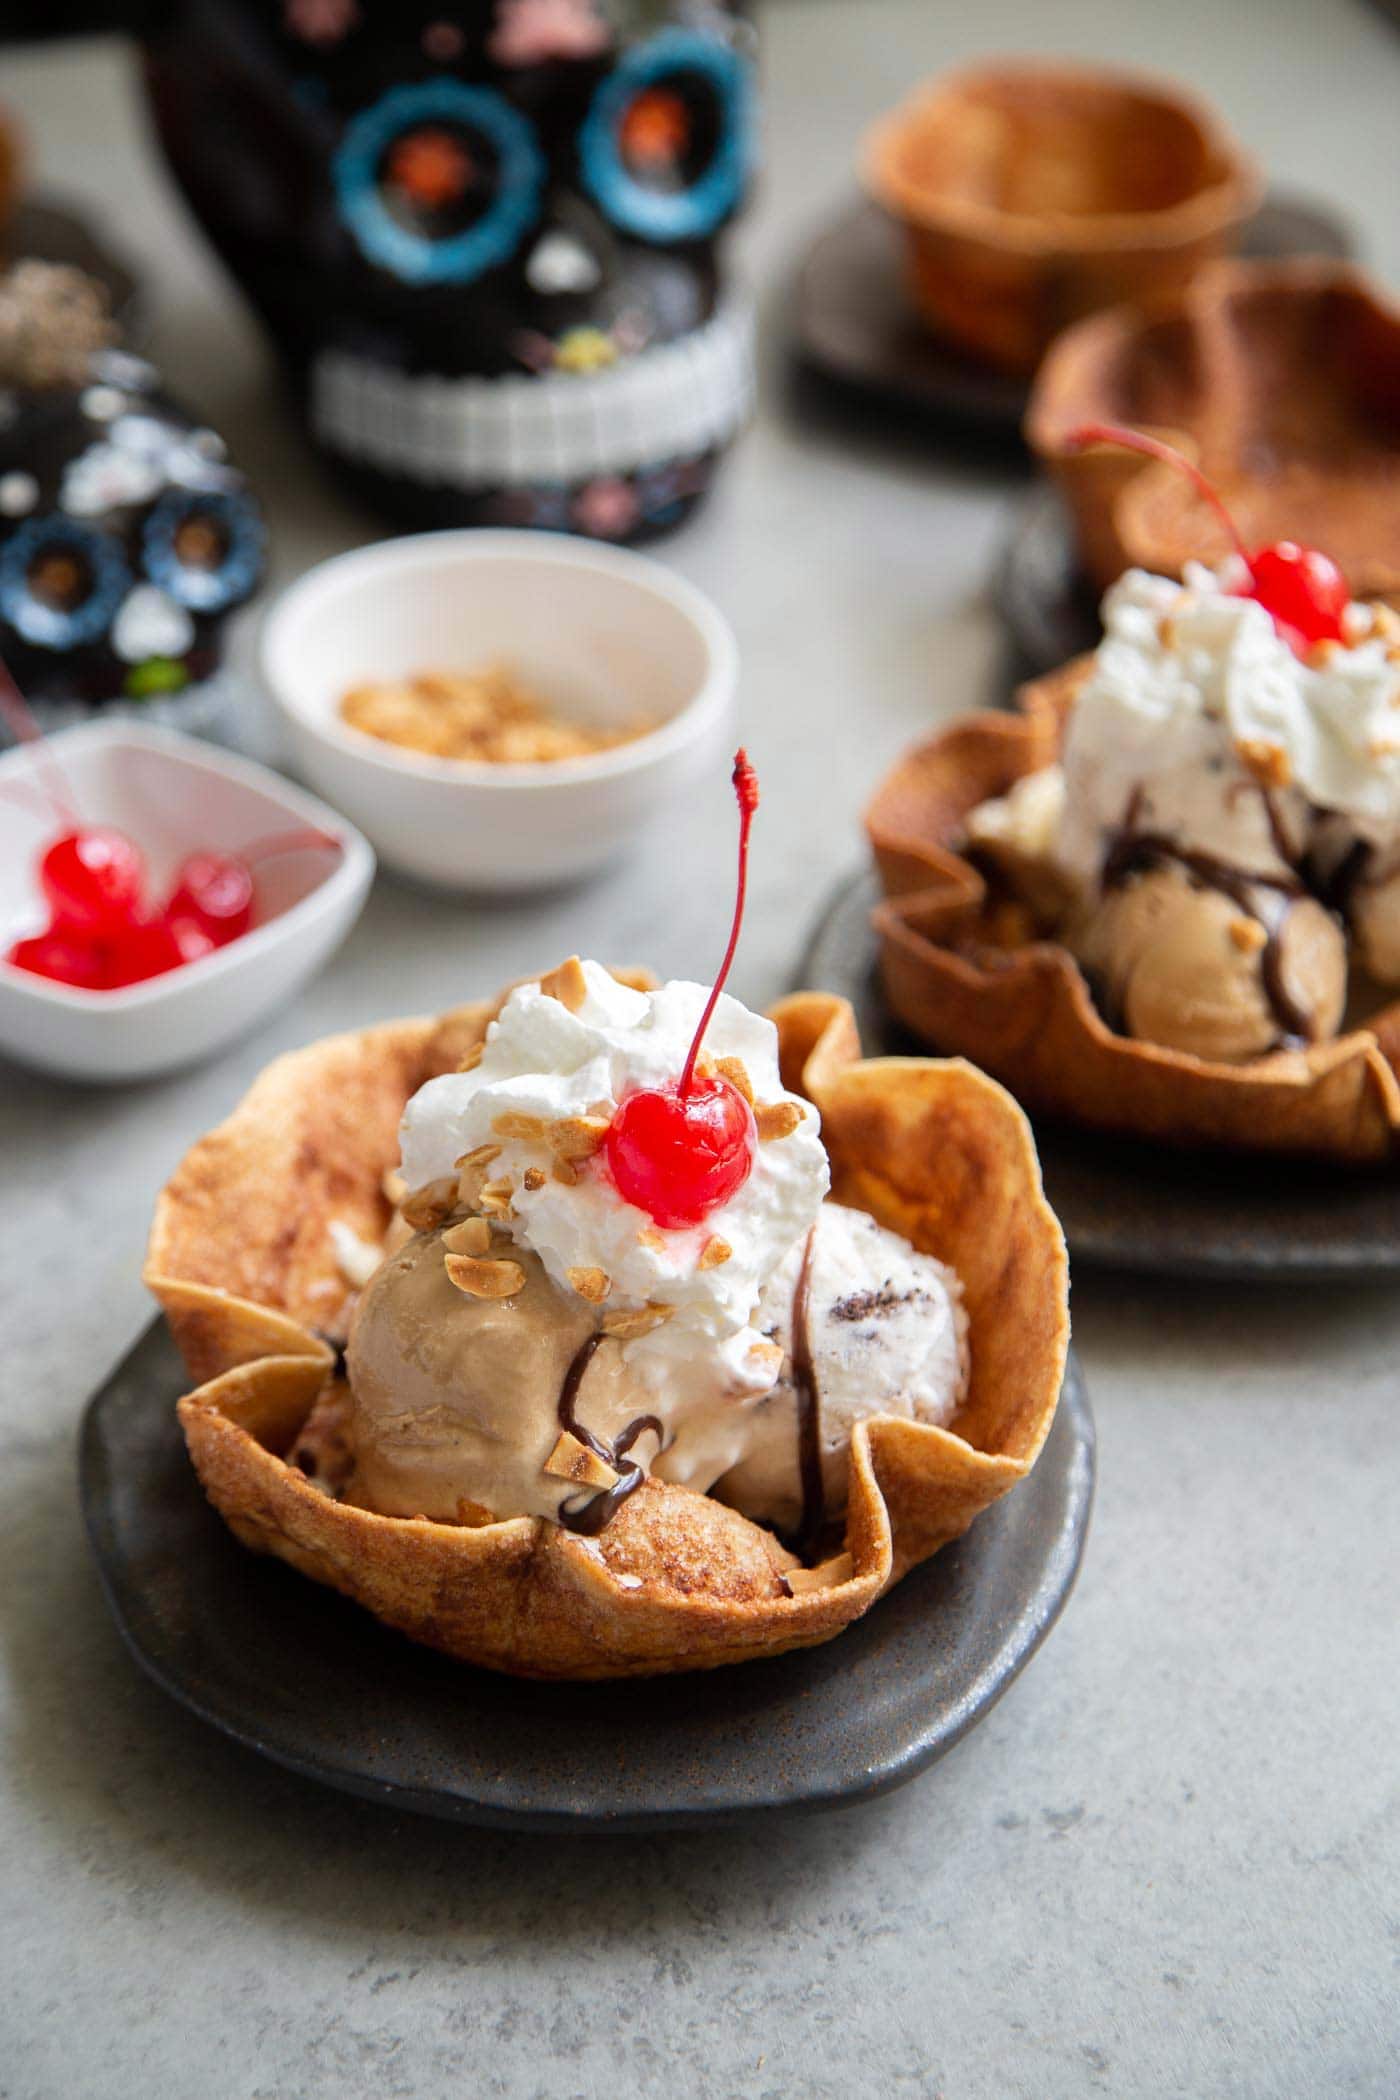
(486, 237)
(126, 538)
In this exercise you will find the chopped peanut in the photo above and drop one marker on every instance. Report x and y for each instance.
(528, 1129)
(428, 1206)
(572, 1460)
(777, 1119)
(1269, 763)
(736, 1072)
(577, 1137)
(485, 1279)
(481, 1156)
(472, 1236)
(567, 984)
(626, 1326)
(1248, 935)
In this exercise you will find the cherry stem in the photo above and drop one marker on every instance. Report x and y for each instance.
(289, 842)
(1153, 448)
(25, 730)
(746, 791)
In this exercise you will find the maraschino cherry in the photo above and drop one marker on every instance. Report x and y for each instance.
(214, 893)
(93, 878)
(62, 959)
(1304, 592)
(678, 1152)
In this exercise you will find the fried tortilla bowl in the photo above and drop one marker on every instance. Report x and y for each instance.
(1282, 382)
(968, 975)
(1031, 193)
(241, 1259)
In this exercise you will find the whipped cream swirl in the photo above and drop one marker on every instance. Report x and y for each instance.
(1196, 702)
(544, 1061)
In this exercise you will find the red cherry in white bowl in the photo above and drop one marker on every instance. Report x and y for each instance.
(207, 888)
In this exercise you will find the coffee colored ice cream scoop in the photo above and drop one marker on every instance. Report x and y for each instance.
(456, 1397)
(1189, 966)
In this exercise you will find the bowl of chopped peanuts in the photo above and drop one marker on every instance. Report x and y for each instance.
(499, 710)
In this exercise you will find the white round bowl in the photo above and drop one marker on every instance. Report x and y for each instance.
(608, 636)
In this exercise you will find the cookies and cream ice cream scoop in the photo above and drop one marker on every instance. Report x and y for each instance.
(868, 1326)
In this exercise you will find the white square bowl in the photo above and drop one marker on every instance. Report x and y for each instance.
(171, 795)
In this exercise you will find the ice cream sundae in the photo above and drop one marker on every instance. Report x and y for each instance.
(627, 1267)
(1163, 897)
(691, 1332)
(1222, 826)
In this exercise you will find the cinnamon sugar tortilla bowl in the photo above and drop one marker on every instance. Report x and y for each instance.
(957, 975)
(1280, 380)
(1030, 194)
(240, 1258)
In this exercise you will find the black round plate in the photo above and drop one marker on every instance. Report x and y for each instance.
(855, 324)
(51, 230)
(306, 1678)
(1161, 1208)
(1049, 608)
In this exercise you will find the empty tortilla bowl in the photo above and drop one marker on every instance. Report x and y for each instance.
(1032, 194)
(1282, 382)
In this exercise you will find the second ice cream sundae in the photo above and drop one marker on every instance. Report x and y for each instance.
(1220, 837)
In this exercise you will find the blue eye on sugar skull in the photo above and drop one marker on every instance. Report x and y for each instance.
(439, 183)
(205, 548)
(665, 147)
(126, 535)
(61, 582)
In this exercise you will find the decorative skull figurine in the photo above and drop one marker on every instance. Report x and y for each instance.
(126, 538)
(485, 235)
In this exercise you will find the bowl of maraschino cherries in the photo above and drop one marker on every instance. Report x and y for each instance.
(158, 898)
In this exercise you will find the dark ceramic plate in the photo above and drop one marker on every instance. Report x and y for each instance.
(50, 230)
(855, 325)
(1050, 610)
(1135, 1206)
(306, 1678)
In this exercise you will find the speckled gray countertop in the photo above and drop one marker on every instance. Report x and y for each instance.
(1166, 1865)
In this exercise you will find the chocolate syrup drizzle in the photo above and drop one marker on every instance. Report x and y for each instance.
(1268, 899)
(589, 1517)
(337, 1345)
(809, 1409)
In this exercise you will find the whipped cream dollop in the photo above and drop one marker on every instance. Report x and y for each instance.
(1231, 742)
(544, 1062)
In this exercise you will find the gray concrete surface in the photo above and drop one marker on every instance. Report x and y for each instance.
(1166, 1865)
